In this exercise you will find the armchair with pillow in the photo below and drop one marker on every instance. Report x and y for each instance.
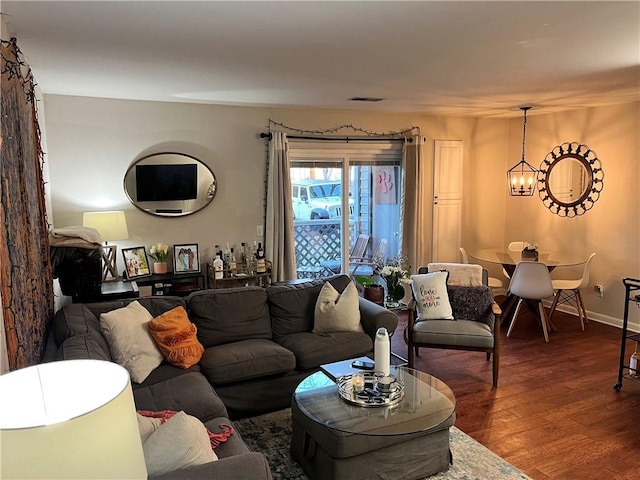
(453, 308)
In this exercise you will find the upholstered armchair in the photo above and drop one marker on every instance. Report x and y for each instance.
(453, 308)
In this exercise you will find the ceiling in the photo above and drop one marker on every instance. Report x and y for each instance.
(470, 58)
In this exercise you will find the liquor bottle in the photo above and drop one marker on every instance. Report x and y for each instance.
(243, 254)
(251, 261)
(261, 264)
(218, 267)
(233, 266)
(634, 362)
(224, 255)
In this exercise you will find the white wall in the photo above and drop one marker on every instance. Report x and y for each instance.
(93, 141)
(611, 227)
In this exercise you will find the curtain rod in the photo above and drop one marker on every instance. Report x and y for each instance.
(344, 139)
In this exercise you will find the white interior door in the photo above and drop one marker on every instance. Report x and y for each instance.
(447, 200)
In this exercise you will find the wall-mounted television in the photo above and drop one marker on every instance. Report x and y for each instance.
(159, 183)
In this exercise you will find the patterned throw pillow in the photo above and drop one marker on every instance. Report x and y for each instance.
(432, 299)
(176, 337)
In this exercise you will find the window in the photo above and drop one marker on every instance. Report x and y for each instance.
(327, 180)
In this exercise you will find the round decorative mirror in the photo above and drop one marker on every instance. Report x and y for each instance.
(570, 179)
(169, 184)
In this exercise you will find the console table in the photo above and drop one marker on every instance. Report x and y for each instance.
(181, 284)
(238, 279)
(110, 291)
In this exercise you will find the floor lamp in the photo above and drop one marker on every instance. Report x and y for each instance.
(112, 226)
(73, 419)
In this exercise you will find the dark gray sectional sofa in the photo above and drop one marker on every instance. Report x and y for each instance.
(258, 344)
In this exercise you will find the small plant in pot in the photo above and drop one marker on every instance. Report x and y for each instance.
(371, 290)
(159, 253)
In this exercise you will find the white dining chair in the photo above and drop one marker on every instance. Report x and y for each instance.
(531, 282)
(493, 282)
(568, 291)
(514, 247)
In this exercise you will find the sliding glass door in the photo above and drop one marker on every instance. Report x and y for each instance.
(342, 193)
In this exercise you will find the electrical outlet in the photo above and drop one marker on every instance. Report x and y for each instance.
(259, 231)
(598, 290)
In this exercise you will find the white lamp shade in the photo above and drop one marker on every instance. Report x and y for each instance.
(73, 419)
(111, 225)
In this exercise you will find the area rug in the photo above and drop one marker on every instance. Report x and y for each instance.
(271, 433)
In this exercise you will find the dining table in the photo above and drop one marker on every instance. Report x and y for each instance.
(510, 258)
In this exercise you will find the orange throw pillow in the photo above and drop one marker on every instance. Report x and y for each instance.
(176, 338)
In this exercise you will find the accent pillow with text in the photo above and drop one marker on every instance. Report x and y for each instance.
(432, 298)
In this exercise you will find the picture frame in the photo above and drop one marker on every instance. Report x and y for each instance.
(186, 258)
(136, 263)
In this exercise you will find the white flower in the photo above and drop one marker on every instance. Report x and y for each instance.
(159, 252)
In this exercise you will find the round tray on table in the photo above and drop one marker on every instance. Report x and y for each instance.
(385, 398)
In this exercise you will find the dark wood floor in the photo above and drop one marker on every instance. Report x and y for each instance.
(554, 414)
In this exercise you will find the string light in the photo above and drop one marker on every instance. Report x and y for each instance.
(336, 130)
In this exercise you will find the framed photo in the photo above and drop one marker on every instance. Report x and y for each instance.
(136, 262)
(185, 258)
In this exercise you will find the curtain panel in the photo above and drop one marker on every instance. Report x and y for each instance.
(279, 236)
(415, 232)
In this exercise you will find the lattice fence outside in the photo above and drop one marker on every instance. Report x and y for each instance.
(317, 240)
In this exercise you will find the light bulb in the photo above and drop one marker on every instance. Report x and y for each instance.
(522, 180)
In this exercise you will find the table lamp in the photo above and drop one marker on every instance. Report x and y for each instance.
(112, 226)
(73, 419)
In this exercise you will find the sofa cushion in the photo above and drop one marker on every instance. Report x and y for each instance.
(129, 340)
(430, 292)
(238, 361)
(292, 306)
(180, 442)
(81, 347)
(337, 312)
(176, 338)
(190, 392)
(77, 319)
(229, 314)
(314, 349)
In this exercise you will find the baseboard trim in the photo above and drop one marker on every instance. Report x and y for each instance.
(596, 317)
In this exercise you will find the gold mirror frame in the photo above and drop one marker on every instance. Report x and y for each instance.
(589, 193)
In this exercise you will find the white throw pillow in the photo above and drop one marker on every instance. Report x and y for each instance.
(182, 441)
(130, 342)
(432, 299)
(337, 312)
(147, 425)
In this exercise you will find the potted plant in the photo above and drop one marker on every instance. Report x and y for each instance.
(159, 253)
(371, 290)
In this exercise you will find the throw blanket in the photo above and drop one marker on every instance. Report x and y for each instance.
(83, 237)
(215, 438)
(460, 274)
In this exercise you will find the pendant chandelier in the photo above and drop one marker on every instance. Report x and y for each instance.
(522, 176)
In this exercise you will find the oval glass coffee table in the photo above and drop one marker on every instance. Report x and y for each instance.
(333, 438)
